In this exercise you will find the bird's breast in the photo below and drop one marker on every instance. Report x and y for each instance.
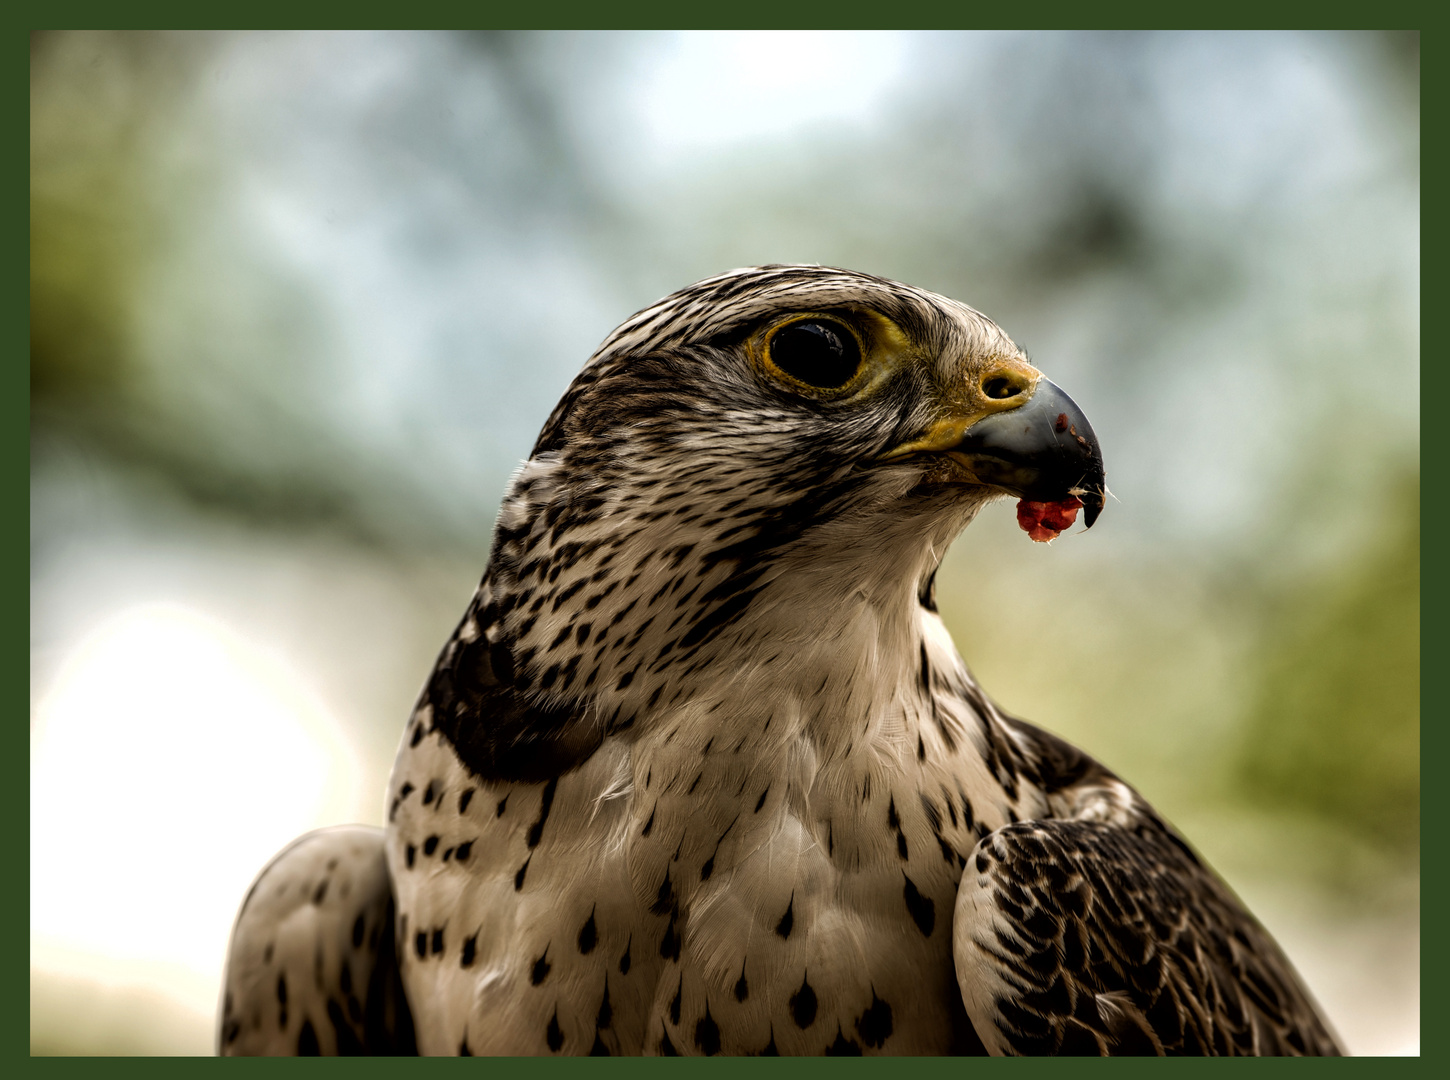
(732, 886)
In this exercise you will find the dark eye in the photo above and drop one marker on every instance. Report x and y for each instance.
(817, 352)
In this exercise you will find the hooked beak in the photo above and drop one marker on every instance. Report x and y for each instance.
(1043, 451)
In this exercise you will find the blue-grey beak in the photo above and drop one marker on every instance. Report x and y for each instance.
(1044, 451)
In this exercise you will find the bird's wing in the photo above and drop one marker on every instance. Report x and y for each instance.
(312, 967)
(1102, 933)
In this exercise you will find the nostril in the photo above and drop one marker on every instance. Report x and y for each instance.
(999, 388)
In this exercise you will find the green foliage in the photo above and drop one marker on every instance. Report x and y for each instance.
(1335, 727)
(83, 270)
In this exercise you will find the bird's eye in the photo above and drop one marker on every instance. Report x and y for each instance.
(816, 352)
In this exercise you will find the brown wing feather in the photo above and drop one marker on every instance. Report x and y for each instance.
(1090, 937)
(1098, 930)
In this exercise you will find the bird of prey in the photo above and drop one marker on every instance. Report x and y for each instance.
(700, 770)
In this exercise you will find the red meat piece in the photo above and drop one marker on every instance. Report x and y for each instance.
(1042, 521)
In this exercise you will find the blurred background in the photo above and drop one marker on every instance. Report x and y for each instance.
(301, 301)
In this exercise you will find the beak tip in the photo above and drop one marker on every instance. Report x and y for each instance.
(1042, 451)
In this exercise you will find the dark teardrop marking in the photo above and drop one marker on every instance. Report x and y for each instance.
(707, 1034)
(665, 898)
(553, 1034)
(470, 950)
(787, 921)
(675, 1004)
(605, 1016)
(624, 960)
(546, 803)
(667, 1048)
(742, 988)
(843, 1047)
(923, 910)
(875, 1025)
(307, 1041)
(670, 943)
(542, 967)
(588, 936)
(803, 1005)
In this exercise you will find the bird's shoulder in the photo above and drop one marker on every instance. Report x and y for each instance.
(1096, 929)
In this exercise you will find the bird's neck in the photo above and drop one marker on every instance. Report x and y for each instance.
(827, 690)
(634, 606)
(732, 646)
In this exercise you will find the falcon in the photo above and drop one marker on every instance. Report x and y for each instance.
(700, 770)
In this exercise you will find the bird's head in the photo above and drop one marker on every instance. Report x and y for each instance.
(793, 399)
(750, 452)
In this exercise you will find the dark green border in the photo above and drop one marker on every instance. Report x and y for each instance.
(746, 15)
